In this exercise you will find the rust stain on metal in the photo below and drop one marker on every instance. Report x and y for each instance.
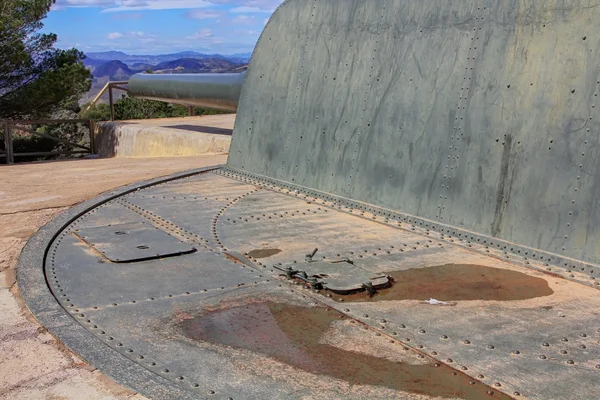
(455, 282)
(263, 253)
(292, 335)
(233, 258)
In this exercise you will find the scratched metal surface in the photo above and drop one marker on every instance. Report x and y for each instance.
(545, 347)
(479, 114)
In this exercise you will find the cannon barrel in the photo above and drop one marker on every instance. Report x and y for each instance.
(218, 91)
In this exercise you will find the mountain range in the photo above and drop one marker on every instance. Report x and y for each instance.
(156, 59)
(118, 65)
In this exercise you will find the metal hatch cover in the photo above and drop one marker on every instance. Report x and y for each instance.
(132, 242)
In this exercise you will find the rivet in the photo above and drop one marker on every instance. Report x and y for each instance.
(464, 368)
(366, 315)
(466, 342)
(516, 352)
(542, 357)
(497, 384)
(444, 337)
(570, 362)
(546, 344)
(211, 392)
(491, 347)
(480, 376)
(450, 360)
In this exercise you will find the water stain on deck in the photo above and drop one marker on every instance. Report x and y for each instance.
(291, 334)
(454, 282)
(263, 253)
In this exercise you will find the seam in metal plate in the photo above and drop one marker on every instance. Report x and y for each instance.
(133, 242)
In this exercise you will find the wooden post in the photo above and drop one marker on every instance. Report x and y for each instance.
(8, 143)
(191, 111)
(110, 101)
(92, 136)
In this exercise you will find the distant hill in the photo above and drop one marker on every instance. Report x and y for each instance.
(141, 67)
(130, 60)
(194, 65)
(115, 70)
(92, 64)
(108, 55)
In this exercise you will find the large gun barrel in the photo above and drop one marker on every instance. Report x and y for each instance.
(218, 91)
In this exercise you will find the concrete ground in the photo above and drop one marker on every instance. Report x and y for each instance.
(33, 364)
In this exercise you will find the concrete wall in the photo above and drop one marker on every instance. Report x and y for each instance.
(482, 114)
(166, 139)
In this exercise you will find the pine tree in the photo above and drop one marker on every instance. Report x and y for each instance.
(35, 78)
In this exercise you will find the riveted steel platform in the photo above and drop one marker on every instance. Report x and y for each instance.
(256, 311)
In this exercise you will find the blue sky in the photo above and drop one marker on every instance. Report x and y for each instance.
(159, 26)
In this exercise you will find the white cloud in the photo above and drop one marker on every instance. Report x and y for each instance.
(201, 14)
(85, 3)
(202, 34)
(243, 19)
(129, 5)
(134, 34)
(238, 6)
(250, 9)
(115, 35)
(133, 5)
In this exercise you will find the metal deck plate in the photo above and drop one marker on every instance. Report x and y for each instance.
(211, 323)
(132, 242)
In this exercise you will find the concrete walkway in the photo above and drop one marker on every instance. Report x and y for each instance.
(33, 364)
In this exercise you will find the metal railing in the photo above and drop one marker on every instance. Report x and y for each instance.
(22, 126)
(110, 86)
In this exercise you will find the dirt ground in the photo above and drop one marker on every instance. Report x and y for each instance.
(33, 364)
